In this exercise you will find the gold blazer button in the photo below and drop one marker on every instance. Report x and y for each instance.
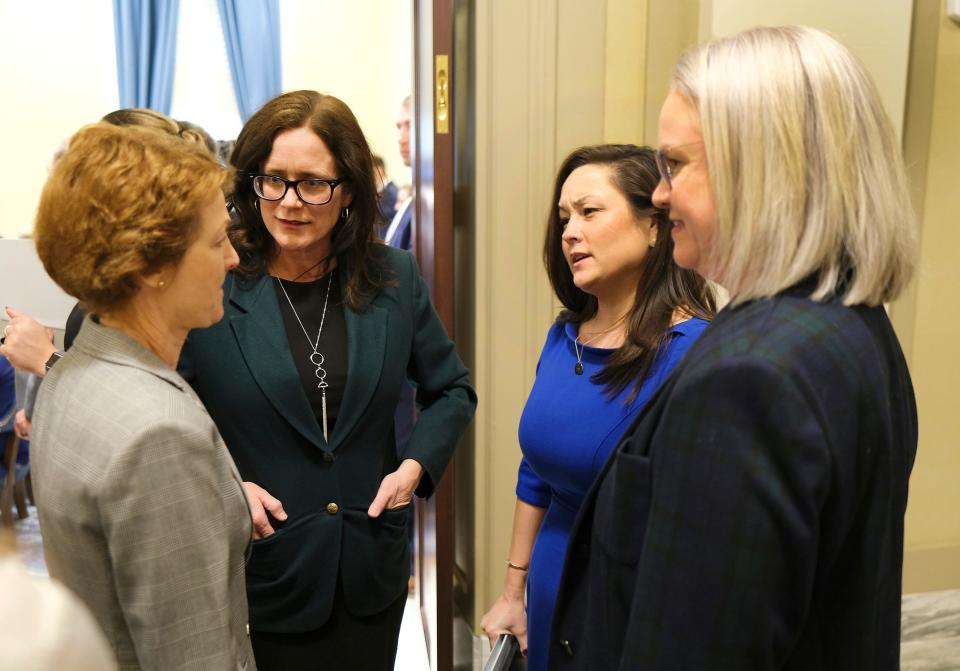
(333, 508)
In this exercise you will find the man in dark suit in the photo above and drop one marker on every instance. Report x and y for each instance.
(398, 233)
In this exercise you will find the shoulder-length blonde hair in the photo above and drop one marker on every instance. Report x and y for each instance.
(805, 167)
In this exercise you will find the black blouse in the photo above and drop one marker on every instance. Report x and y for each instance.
(308, 299)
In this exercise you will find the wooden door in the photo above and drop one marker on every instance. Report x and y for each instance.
(433, 245)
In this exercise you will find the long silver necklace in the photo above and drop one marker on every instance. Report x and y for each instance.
(316, 358)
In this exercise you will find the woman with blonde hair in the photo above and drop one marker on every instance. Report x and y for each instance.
(141, 509)
(752, 517)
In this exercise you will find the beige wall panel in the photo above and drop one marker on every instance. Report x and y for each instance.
(933, 515)
(672, 28)
(516, 129)
(626, 57)
(877, 31)
(581, 30)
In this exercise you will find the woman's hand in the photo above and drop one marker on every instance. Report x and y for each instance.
(508, 616)
(28, 344)
(21, 425)
(396, 489)
(261, 503)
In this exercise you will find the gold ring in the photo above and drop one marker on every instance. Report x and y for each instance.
(6, 330)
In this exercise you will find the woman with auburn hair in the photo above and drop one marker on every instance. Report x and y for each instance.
(141, 509)
(630, 315)
(752, 517)
(324, 324)
(29, 345)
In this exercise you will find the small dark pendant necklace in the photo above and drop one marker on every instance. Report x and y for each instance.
(579, 347)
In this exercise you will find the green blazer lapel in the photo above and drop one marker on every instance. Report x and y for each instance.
(258, 327)
(366, 346)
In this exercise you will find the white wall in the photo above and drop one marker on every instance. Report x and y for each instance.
(360, 51)
(60, 73)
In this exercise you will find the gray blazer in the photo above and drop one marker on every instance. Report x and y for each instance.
(141, 508)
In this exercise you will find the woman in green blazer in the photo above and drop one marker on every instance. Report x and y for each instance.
(322, 326)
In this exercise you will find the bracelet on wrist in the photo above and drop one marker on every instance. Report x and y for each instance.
(510, 564)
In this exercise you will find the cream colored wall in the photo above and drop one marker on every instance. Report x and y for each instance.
(878, 32)
(930, 313)
(59, 73)
(626, 60)
(516, 151)
(671, 29)
(361, 52)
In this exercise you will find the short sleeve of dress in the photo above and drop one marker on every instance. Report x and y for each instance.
(531, 488)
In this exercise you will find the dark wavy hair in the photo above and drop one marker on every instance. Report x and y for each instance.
(353, 239)
(664, 287)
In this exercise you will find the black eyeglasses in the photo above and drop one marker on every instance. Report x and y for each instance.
(312, 191)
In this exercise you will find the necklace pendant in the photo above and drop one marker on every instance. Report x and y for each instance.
(578, 369)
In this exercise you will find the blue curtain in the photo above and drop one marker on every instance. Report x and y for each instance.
(146, 35)
(251, 31)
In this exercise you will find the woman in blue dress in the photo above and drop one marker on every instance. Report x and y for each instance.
(630, 315)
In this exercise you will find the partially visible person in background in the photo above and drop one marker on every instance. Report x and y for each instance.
(630, 313)
(753, 515)
(45, 626)
(195, 135)
(141, 509)
(399, 234)
(387, 192)
(224, 149)
(399, 231)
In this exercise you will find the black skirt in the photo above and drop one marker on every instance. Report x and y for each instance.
(345, 642)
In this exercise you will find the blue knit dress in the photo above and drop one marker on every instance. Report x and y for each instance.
(568, 428)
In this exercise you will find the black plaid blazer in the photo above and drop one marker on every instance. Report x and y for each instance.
(752, 516)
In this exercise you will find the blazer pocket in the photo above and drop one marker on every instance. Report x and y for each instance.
(623, 507)
(397, 517)
(291, 574)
